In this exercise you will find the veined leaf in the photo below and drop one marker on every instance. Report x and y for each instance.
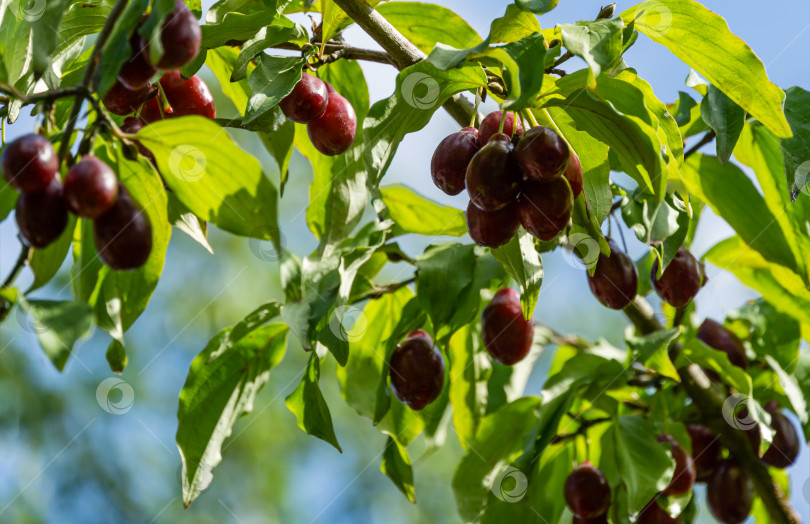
(598, 42)
(309, 406)
(46, 262)
(537, 6)
(725, 117)
(796, 150)
(58, 326)
(425, 25)
(522, 262)
(396, 465)
(469, 371)
(414, 213)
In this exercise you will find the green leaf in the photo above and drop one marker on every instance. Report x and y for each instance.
(791, 388)
(796, 150)
(425, 25)
(696, 352)
(445, 271)
(396, 465)
(632, 457)
(598, 42)
(221, 62)
(279, 143)
(272, 80)
(221, 386)
(703, 40)
(414, 213)
(58, 326)
(310, 408)
(772, 333)
(8, 199)
(116, 49)
(283, 30)
(521, 261)
(744, 208)
(523, 63)
(651, 350)
(187, 222)
(335, 20)
(469, 371)
(725, 117)
(239, 22)
(421, 89)
(537, 6)
(802, 376)
(215, 179)
(499, 440)
(46, 262)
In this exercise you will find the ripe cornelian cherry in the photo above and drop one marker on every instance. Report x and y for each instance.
(601, 519)
(492, 123)
(132, 125)
(150, 111)
(683, 478)
(729, 493)
(784, 448)
(719, 337)
(653, 513)
(181, 36)
(507, 334)
(188, 96)
(492, 228)
(30, 164)
(493, 176)
(706, 450)
(587, 492)
(307, 100)
(545, 207)
(681, 280)
(120, 100)
(90, 187)
(417, 370)
(42, 216)
(333, 132)
(123, 234)
(573, 173)
(448, 167)
(614, 282)
(542, 154)
(137, 71)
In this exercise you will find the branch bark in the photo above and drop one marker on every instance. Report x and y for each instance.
(708, 398)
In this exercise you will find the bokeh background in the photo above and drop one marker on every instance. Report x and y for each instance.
(65, 459)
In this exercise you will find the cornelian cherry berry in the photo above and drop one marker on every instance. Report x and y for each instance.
(30, 164)
(587, 492)
(123, 234)
(448, 167)
(150, 111)
(492, 228)
(120, 100)
(42, 216)
(545, 207)
(507, 335)
(683, 478)
(90, 187)
(137, 71)
(417, 370)
(307, 100)
(188, 96)
(573, 173)
(333, 132)
(681, 280)
(614, 282)
(493, 176)
(719, 337)
(492, 123)
(181, 36)
(542, 154)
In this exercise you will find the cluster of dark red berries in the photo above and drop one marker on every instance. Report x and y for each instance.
(330, 118)
(134, 90)
(511, 177)
(123, 234)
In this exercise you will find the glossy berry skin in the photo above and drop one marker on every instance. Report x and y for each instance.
(545, 207)
(542, 154)
(601, 519)
(150, 112)
(137, 71)
(30, 164)
(729, 493)
(492, 228)
(188, 96)
(784, 449)
(653, 513)
(507, 335)
(717, 336)
(307, 100)
(90, 187)
(492, 123)
(120, 100)
(683, 478)
(132, 125)
(587, 492)
(123, 234)
(180, 35)
(417, 370)
(706, 450)
(573, 173)
(448, 167)
(43, 216)
(333, 132)
(614, 282)
(493, 176)
(681, 280)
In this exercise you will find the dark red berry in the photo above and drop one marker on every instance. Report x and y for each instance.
(90, 187)
(188, 97)
(137, 71)
(30, 164)
(417, 370)
(123, 234)
(492, 228)
(150, 112)
(717, 336)
(451, 158)
(784, 448)
(120, 100)
(542, 154)
(507, 334)
(683, 478)
(333, 132)
(492, 123)
(132, 125)
(493, 176)
(307, 100)
(587, 492)
(706, 450)
(614, 282)
(545, 207)
(653, 513)
(42, 216)
(573, 173)
(681, 280)
(180, 35)
(601, 519)
(729, 493)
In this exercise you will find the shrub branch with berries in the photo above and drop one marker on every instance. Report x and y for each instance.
(128, 147)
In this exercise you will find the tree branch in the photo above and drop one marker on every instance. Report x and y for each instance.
(22, 259)
(346, 51)
(708, 137)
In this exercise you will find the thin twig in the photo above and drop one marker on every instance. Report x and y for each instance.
(708, 137)
(583, 428)
(380, 291)
(22, 259)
